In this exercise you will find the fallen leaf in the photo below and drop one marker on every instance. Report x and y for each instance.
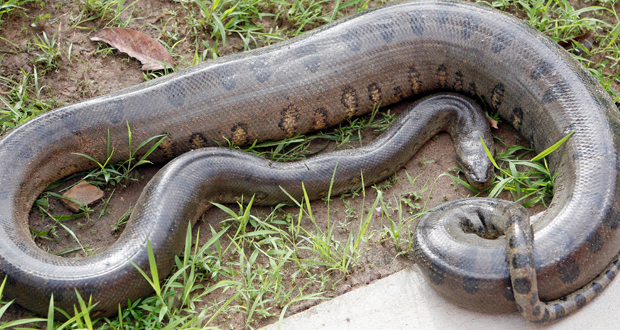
(84, 192)
(493, 123)
(147, 50)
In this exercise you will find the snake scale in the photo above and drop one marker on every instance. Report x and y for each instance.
(310, 82)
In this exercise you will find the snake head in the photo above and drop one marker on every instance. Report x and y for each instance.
(479, 172)
(473, 159)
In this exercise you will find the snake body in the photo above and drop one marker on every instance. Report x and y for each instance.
(310, 82)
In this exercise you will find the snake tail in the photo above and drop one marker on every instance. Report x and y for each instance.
(492, 219)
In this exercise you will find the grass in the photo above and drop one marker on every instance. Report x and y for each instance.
(108, 11)
(8, 6)
(107, 173)
(532, 186)
(24, 100)
(261, 262)
(49, 51)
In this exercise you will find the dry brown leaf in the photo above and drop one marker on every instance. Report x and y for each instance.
(84, 192)
(492, 123)
(136, 44)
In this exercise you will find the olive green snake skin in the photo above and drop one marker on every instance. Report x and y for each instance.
(311, 82)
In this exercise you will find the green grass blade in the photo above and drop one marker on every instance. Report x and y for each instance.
(552, 148)
(153, 267)
(489, 154)
(50, 313)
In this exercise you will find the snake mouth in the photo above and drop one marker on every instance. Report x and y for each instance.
(479, 177)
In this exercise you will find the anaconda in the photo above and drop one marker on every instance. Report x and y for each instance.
(313, 81)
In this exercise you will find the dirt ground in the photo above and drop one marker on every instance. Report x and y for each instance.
(87, 74)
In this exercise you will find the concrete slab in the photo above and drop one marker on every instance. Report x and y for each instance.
(404, 301)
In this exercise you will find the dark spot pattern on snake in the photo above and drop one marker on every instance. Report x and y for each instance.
(519, 308)
(595, 243)
(175, 92)
(559, 311)
(520, 260)
(610, 274)
(555, 92)
(319, 119)
(414, 80)
(497, 95)
(516, 117)
(458, 81)
(88, 290)
(472, 89)
(398, 92)
(386, 29)
(197, 141)
(115, 110)
(350, 101)
(568, 270)
(352, 39)
(522, 285)
(374, 93)
(239, 134)
(416, 22)
(502, 40)
(507, 291)
(436, 273)
(442, 76)
(542, 69)
(514, 219)
(290, 120)
(442, 18)
(167, 147)
(308, 55)
(70, 121)
(49, 135)
(260, 68)
(515, 241)
(225, 75)
(470, 26)
(580, 300)
(470, 284)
